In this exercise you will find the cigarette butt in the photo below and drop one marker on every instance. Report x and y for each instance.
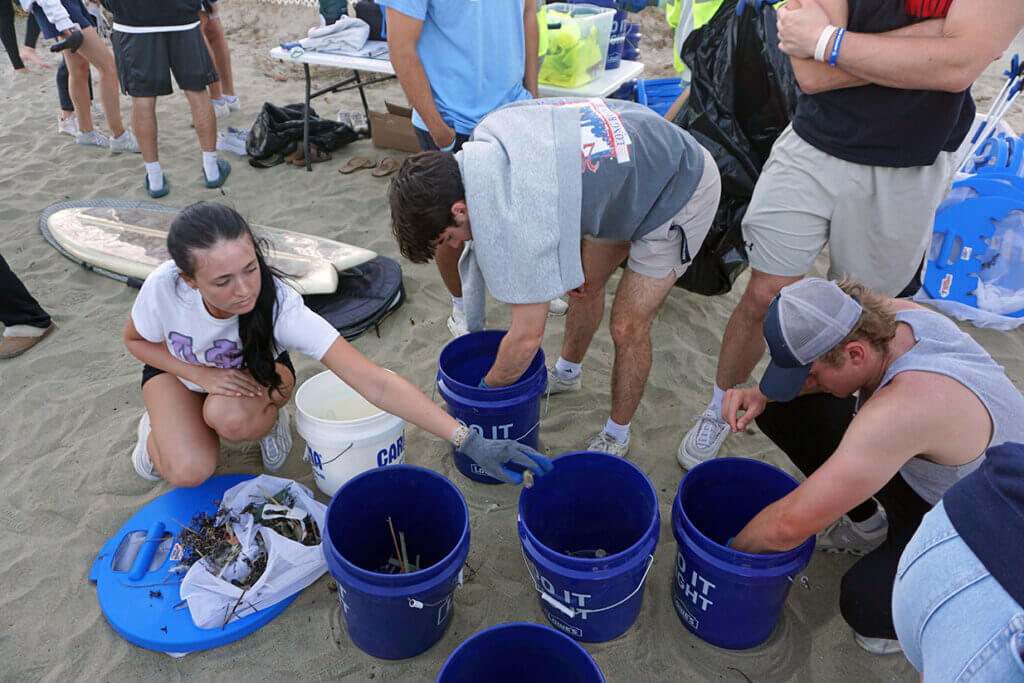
(527, 478)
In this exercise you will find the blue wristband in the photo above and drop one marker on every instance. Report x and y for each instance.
(834, 57)
(483, 386)
(728, 544)
(451, 146)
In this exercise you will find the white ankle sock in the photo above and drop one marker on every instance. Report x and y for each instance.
(210, 165)
(872, 523)
(457, 304)
(618, 432)
(24, 331)
(155, 175)
(716, 400)
(566, 370)
(230, 98)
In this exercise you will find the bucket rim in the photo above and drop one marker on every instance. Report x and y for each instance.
(380, 416)
(653, 528)
(564, 639)
(724, 552)
(410, 582)
(494, 393)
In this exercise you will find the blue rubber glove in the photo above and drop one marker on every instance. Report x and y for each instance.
(492, 454)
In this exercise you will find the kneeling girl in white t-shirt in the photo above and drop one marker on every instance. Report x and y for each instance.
(213, 327)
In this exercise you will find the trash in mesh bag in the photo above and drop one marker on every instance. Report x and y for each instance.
(278, 130)
(213, 600)
(742, 96)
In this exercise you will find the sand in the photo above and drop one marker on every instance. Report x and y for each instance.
(70, 406)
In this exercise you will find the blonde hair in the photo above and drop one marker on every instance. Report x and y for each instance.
(876, 326)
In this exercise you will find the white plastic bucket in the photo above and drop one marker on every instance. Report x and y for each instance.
(345, 434)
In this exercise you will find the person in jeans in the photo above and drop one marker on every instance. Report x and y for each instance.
(453, 80)
(25, 321)
(957, 601)
(929, 402)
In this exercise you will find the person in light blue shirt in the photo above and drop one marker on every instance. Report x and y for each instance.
(458, 60)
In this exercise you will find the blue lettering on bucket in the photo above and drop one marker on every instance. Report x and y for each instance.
(696, 588)
(386, 456)
(317, 461)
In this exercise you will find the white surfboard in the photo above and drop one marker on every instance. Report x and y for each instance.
(133, 241)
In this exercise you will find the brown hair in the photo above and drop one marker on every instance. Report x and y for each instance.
(877, 325)
(421, 196)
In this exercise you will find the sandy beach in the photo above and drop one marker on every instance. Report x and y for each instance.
(69, 410)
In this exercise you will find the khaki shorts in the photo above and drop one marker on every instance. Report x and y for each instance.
(672, 246)
(876, 220)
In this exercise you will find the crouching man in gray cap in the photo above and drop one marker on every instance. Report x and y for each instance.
(876, 397)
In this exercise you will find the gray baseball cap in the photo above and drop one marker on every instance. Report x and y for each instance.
(804, 321)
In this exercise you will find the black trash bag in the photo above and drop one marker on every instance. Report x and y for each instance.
(278, 130)
(742, 96)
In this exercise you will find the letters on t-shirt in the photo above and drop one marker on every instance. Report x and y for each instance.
(225, 353)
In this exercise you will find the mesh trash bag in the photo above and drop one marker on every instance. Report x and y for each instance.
(742, 96)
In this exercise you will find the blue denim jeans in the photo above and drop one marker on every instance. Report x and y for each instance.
(954, 621)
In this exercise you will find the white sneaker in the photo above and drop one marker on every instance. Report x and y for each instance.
(843, 536)
(457, 322)
(878, 646)
(221, 110)
(68, 126)
(606, 443)
(234, 105)
(93, 138)
(125, 143)
(557, 385)
(703, 440)
(558, 307)
(276, 445)
(140, 457)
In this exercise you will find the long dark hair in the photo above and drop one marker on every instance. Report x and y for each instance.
(204, 225)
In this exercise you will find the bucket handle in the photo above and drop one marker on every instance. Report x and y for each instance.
(803, 581)
(305, 456)
(571, 612)
(547, 402)
(417, 604)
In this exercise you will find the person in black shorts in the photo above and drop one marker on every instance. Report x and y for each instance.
(152, 41)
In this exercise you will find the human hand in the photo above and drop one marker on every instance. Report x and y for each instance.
(221, 382)
(579, 292)
(750, 400)
(800, 26)
(492, 454)
(444, 138)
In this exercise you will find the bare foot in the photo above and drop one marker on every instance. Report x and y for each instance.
(22, 72)
(29, 55)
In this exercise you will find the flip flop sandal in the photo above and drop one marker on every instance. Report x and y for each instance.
(387, 167)
(156, 194)
(357, 163)
(225, 170)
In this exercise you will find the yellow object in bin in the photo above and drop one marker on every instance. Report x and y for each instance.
(577, 44)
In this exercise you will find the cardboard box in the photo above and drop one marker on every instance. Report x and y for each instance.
(393, 129)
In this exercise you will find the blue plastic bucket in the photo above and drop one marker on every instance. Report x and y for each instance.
(729, 598)
(513, 653)
(589, 529)
(394, 616)
(511, 412)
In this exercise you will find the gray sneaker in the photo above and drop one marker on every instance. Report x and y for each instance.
(277, 444)
(878, 646)
(606, 443)
(140, 456)
(93, 138)
(843, 536)
(703, 440)
(125, 143)
(557, 385)
(558, 307)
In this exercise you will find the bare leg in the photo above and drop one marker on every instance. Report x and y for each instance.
(144, 123)
(213, 31)
(95, 51)
(204, 119)
(181, 446)
(447, 259)
(636, 303)
(743, 342)
(247, 418)
(585, 313)
(214, 88)
(78, 90)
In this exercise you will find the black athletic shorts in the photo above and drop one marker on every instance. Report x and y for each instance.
(149, 372)
(145, 62)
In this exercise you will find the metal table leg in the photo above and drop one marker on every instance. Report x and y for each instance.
(305, 122)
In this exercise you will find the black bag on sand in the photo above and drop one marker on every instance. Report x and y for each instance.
(742, 96)
(365, 296)
(278, 130)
